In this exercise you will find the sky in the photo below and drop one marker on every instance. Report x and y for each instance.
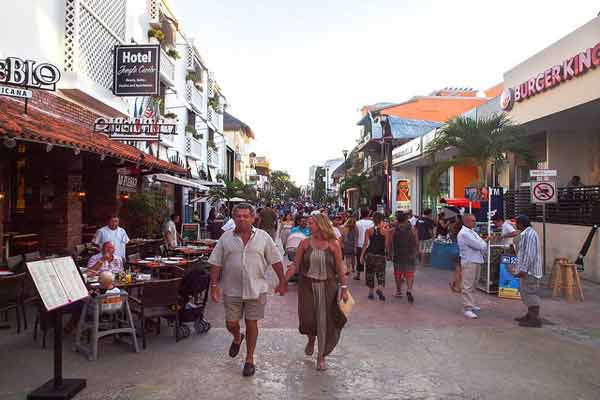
(298, 72)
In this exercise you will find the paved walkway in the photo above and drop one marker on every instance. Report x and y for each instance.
(389, 350)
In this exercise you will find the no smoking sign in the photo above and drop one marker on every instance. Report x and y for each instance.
(543, 192)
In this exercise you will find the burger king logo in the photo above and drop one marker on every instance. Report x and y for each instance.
(507, 99)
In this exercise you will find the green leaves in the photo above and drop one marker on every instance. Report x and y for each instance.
(480, 142)
(233, 188)
(282, 187)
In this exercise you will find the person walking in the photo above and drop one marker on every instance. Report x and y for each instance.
(425, 225)
(268, 220)
(322, 277)
(453, 231)
(403, 246)
(529, 270)
(287, 223)
(471, 248)
(239, 263)
(350, 239)
(362, 225)
(373, 256)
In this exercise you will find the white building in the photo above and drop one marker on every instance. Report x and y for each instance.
(330, 166)
(78, 36)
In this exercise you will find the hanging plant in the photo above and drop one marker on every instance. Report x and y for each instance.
(191, 129)
(193, 76)
(212, 145)
(156, 34)
(213, 102)
(174, 54)
(170, 115)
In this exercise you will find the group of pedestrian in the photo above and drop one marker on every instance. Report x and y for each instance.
(326, 251)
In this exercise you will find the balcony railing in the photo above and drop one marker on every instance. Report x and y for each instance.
(193, 148)
(195, 97)
(212, 157)
(167, 68)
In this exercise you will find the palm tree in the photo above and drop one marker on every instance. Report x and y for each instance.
(232, 188)
(482, 142)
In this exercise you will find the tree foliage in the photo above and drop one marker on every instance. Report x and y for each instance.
(359, 182)
(282, 187)
(144, 213)
(482, 142)
(232, 188)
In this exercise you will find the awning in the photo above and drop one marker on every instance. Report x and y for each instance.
(41, 127)
(177, 181)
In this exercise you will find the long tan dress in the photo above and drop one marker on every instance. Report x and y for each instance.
(318, 309)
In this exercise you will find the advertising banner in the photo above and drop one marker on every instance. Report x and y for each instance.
(137, 69)
(509, 285)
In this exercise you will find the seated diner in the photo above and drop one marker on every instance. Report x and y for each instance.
(105, 260)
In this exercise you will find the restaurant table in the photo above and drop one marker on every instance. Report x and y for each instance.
(157, 266)
(193, 251)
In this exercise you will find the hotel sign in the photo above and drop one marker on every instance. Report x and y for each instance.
(136, 70)
(135, 129)
(554, 76)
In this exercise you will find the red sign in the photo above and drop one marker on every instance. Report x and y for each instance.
(552, 77)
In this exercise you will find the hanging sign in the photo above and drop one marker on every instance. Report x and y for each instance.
(190, 232)
(136, 70)
(135, 129)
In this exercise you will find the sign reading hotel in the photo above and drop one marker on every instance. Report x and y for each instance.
(136, 70)
(26, 74)
(135, 129)
(554, 76)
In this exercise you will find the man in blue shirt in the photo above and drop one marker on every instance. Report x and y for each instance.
(301, 226)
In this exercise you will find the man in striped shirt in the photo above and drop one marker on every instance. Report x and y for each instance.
(529, 270)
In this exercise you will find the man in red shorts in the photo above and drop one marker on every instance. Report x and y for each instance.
(404, 248)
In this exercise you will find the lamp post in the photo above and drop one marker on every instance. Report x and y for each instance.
(345, 152)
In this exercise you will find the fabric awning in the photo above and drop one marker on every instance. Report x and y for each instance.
(177, 181)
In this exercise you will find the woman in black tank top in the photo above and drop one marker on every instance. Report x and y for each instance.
(374, 254)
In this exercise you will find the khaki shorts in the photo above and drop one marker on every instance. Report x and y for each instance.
(236, 308)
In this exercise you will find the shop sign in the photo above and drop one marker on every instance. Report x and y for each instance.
(29, 74)
(135, 129)
(403, 199)
(136, 70)
(556, 75)
(127, 183)
(15, 92)
(407, 151)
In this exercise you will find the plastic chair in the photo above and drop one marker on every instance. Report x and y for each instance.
(104, 315)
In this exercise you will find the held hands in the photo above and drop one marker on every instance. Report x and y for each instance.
(345, 295)
(282, 288)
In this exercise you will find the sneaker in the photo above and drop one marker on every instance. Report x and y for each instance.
(470, 314)
(410, 297)
(380, 295)
(476, 308)
(531, 323)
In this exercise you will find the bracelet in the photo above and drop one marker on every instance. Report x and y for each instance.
(344, 287)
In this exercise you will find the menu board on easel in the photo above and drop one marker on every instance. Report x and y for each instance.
(190, 232)
(58, 282)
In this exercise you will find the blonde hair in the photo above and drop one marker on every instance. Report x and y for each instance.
(350, 223)
(324, 225)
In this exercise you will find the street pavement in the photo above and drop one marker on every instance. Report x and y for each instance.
(389, 350)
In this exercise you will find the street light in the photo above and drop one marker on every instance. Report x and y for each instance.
(345, 152)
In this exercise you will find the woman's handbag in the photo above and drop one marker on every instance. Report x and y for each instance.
(346, 307)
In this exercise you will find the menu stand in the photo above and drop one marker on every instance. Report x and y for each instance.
(58, 388)
(59, 284)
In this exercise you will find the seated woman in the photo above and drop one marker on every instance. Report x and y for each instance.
(105, 261)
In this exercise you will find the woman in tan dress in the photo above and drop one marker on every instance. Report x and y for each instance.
(319, 262)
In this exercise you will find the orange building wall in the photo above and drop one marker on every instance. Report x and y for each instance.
(464, 176)
(439, 109)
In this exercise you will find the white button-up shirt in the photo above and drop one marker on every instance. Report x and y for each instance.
(118, 237)
(244, 267)
(116, 265)
(471, 246)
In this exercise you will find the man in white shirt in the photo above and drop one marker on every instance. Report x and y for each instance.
(412, 219)
(508, 230)
(112, 233)
(362, 225)
(239, 263)
(170, 234)
(472, 248)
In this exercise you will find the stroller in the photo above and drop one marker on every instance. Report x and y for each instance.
(193, 297)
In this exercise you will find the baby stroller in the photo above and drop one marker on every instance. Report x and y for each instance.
(193, 297)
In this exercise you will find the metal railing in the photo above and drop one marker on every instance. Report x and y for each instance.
(575, 206)
(212, 157)
(195, 148)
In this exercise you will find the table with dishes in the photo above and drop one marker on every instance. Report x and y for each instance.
(156, 263)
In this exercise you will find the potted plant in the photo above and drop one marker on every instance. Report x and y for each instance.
(174, 54)
(192, 130)
(157, 34)
(212, 145)
(213, 102)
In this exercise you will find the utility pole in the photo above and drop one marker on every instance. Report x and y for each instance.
(345, 152)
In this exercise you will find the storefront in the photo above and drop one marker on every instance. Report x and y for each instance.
(58, 179)
(555, 96)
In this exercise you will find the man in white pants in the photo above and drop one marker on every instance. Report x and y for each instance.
(472, 248)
